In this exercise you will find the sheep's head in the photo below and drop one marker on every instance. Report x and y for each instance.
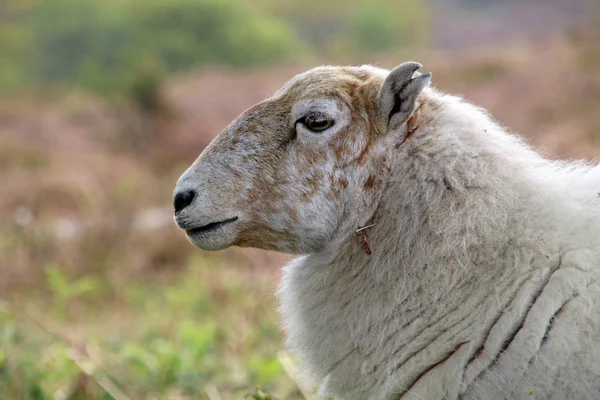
(290, 171)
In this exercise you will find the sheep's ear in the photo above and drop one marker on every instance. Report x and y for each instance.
(399, 93)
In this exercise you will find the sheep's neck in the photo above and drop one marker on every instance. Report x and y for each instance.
(428, 279)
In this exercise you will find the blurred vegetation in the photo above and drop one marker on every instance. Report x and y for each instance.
(353, 27)
(127, 46)
(100, 292)
(200, 332)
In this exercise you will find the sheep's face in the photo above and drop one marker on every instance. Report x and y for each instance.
(289, 170)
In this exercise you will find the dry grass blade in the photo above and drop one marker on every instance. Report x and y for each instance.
(14, 381)
(212, 392)
(77, 353)
(290, 368)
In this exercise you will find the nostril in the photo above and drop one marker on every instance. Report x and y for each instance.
(183, 199)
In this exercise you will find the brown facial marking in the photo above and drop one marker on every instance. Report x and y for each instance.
(291, 212)
(255, 235)
(314, 180)
(369, 183)
(336, 186)
(364, 242)
(312, 157)
(237, 174)
(364, 154)
(341, 183)
(366, 98)
(305, 196)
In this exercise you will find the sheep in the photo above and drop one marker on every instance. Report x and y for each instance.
(439, 255)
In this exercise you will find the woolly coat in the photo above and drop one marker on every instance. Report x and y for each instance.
(483, 282)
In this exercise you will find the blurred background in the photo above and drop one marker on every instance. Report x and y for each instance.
(104, 103)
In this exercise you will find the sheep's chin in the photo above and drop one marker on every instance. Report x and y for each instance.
(218, 239)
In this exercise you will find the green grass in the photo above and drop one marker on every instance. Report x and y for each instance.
(212, 330)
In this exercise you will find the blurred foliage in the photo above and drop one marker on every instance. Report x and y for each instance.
(115, 46)
(128, 46)
(77, 243)
(196, 335)
(346, 28)
(259, 395)
(374, 28)
(480, 3)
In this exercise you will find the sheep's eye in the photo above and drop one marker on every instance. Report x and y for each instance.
(317, 123)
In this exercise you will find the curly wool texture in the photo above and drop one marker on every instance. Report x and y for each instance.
(483, 278)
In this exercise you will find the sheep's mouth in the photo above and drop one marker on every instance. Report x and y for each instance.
(213, 226)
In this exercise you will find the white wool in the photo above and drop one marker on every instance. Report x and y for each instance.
(483, 278)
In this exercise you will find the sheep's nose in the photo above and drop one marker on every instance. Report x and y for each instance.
(183, 199)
